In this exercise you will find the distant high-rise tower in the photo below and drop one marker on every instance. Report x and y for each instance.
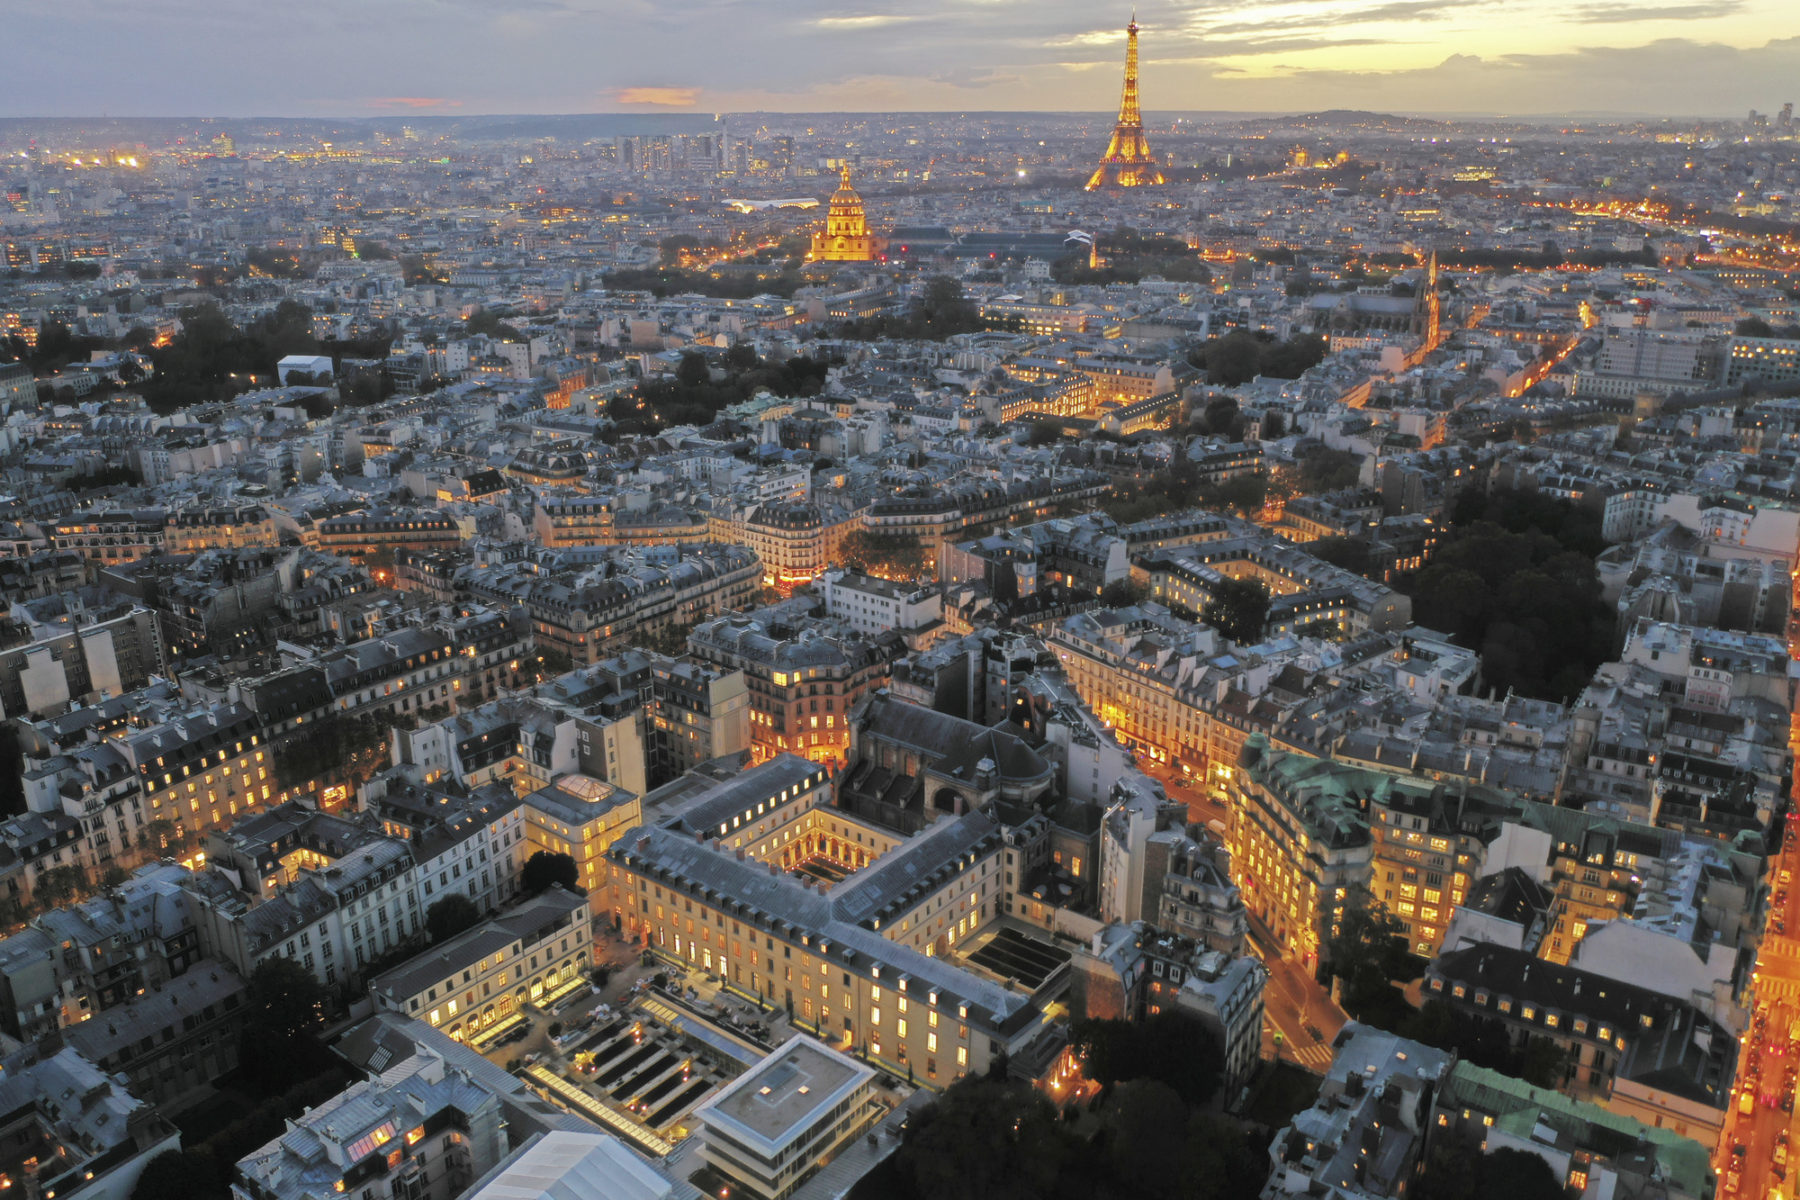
(1127, 161)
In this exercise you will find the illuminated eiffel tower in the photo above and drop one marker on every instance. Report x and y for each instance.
(1127, 161)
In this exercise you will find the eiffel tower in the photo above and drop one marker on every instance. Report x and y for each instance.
(1127, 161)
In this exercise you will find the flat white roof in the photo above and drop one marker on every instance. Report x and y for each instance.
(785, 1095)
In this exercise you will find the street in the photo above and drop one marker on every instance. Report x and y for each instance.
(1295, 1005)
(1751, 1155)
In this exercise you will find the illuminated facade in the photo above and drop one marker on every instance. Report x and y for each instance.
(802, 683)
(861, 964)
(1153, 683)
(1127, 161)
(1299, 842)
(581, 817)
(846, 236)
(474, 985)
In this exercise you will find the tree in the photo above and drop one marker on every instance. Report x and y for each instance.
(1146, 1132)
(1543, 1063)
(1274, 425)
(168, 1176)
(983, 1140)
(545, 868)
(1241, 356)
(692, 370)
(1170, 1048)
(1454, 1173)
(58, 886)
(890, 556)
(162, 836)
(285, 1001)
(942, 310)
(1239, 609)
(1222, 416)
(450, 916)
(1326, 470)
(12, 771)
(1367, 952)
(1235, 359)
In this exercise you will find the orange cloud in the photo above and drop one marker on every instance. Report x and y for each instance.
(414, 102)
(662, 97)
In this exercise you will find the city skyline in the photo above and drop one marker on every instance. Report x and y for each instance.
(1698, 58)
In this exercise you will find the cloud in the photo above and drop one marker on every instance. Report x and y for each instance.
(973, 77)
(872, 21)
(1410, 10)
(660, 97)
(413, 102)
(1618, 14)
(1093, 37)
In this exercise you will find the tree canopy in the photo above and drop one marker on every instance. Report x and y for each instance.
(887, 555)
(1240, 356)
(1528, 600)
(938, 311)
(285, 1000)
(545, 868)
(1170, 1048)
(1454, 1173)
(692, 397)
(992, 1138)
(168, 1176)
(285, 1009)
(211, 359)
(1368, 953)
(450, 916)
(1239, 609)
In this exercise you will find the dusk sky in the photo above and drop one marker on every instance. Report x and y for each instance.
(358, 57)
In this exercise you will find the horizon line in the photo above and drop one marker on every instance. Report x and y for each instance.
(720, 114)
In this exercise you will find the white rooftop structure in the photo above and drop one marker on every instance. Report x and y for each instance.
(576, 1166)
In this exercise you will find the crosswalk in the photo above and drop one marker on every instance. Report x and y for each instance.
(1316, 1057)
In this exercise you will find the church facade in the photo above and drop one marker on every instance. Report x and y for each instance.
(846, 236)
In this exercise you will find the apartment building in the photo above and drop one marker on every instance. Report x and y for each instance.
(420, 1131)
(803, 677)
(1298, 843)
(698, 712)
(173, 1040)
(72, 964)
(223, 527)
(112, 536)
(73, 646)
(1638, 1052)
(377, 534)
(332, 920)
(871, 605)
(94, 1150)
(473, 986)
